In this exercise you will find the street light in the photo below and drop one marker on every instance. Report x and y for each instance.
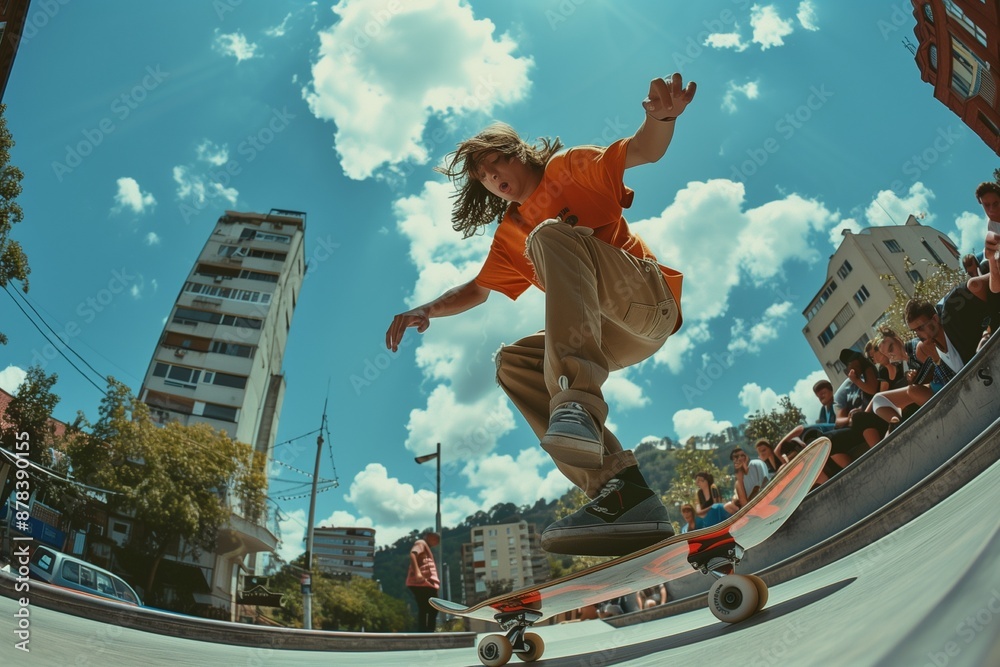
(437, 517)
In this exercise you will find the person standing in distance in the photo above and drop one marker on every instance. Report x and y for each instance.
(422, 580)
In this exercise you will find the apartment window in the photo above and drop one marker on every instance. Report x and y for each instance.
(220, 412)
(255, 235)
(966, 22)
(914, 276)
(258, 275)
(243, 251)
(232, 349)
(842, 318)
(844, 269)
(227, 380)
(936, 257)
(893, 246)
(228, 293)
(966, 70)
(933, 52)
(989, 124)
(861, 295)
(821, 299)
(928, 12)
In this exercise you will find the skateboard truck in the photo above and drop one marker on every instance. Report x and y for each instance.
(719, 560)
(515, 624)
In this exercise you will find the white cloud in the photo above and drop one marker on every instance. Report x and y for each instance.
(467, 430)
(697, 421)
(11, 378)
(691, 335)
(280, 29)
(234, 44)
(755, 398)
(687, 237)
(726, 40)
(292, 526)
(504, 479)
(622, 393)
(396, 508)
(769, 29)
(807, 15)
(837, 231)
(972, 228)
(152, 238)
(211, 153)
(750, 90)
(752, 338)
(130, 196)
(888, 208)
(378, 81)
(199, 189)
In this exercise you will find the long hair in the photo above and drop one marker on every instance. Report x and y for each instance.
(475, 206)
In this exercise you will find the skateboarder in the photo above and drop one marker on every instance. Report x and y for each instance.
(608, 303)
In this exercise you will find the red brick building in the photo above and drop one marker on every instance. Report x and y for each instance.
(958, 53)
(12, 17)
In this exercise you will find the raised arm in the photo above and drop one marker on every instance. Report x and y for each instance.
(456, 300)
(668, 98)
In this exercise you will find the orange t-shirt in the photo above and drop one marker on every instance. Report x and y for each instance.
(582, 186)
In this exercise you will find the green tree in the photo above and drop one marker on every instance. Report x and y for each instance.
(941, 279)
(13, 261)
(178, 481)
(775, 424)
(689, 463)
(30, 411)
(356, 604)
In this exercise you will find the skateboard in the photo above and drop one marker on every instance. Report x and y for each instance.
(715, 550)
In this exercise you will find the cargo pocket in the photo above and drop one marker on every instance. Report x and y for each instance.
(654, 322)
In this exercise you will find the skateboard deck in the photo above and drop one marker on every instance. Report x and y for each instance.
(716, 549)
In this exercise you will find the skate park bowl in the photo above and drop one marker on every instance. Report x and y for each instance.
(895, 561)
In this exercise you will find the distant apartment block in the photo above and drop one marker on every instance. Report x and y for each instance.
(853, 299)
(958, 53)
(345, 551)
(507, 553)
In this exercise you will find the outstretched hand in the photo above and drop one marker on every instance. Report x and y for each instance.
(400, 323)
(668, 97)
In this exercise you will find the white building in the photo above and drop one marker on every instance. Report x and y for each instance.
(853, 299)
(341, 550)
(219, 359)
(509, 552)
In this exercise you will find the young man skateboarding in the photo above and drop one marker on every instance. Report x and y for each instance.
(608, 304)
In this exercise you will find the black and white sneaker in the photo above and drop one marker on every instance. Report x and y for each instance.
(624, 517)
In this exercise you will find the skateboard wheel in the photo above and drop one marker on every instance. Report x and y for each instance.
(733, 598)
(535, 648)
(495, 650)
(761, 590)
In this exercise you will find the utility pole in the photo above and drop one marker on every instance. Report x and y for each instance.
(307, 577)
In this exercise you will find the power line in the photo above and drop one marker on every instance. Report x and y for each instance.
(49, 327)
(63, 354)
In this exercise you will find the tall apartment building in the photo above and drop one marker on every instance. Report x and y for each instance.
(219, 359)
(854, 298)
(958, 53)
(510, 552)
(339, 550)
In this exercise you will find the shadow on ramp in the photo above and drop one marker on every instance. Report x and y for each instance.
(618, 654)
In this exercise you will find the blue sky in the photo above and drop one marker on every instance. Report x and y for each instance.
(138, 124)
